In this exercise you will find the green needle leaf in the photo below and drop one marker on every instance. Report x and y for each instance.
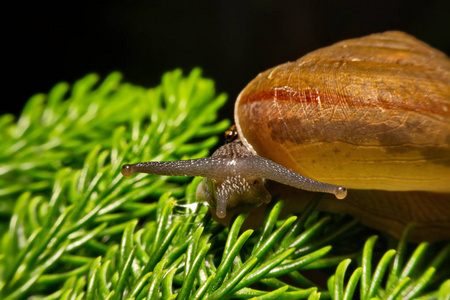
(379, 273)
(228, 285)
(351, 285)
(339, 279)
(186, 289)
(93, 279)
(124, 273)
(367, 266)
(228, 258)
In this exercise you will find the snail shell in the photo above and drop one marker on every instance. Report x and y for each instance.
(371, 113)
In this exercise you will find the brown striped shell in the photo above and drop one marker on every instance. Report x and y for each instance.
(372, 114)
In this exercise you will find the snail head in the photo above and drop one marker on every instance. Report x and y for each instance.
(234, 177)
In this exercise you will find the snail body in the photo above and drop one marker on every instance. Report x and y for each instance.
(371, 114)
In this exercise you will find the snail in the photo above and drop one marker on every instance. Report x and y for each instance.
(371, 115)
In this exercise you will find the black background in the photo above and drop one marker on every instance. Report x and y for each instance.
(231, 40)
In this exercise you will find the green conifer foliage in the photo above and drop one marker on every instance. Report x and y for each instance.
(73, 227)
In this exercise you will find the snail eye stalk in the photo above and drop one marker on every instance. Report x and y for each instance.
(231, 182)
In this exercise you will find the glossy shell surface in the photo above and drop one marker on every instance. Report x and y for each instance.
(366, 113)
